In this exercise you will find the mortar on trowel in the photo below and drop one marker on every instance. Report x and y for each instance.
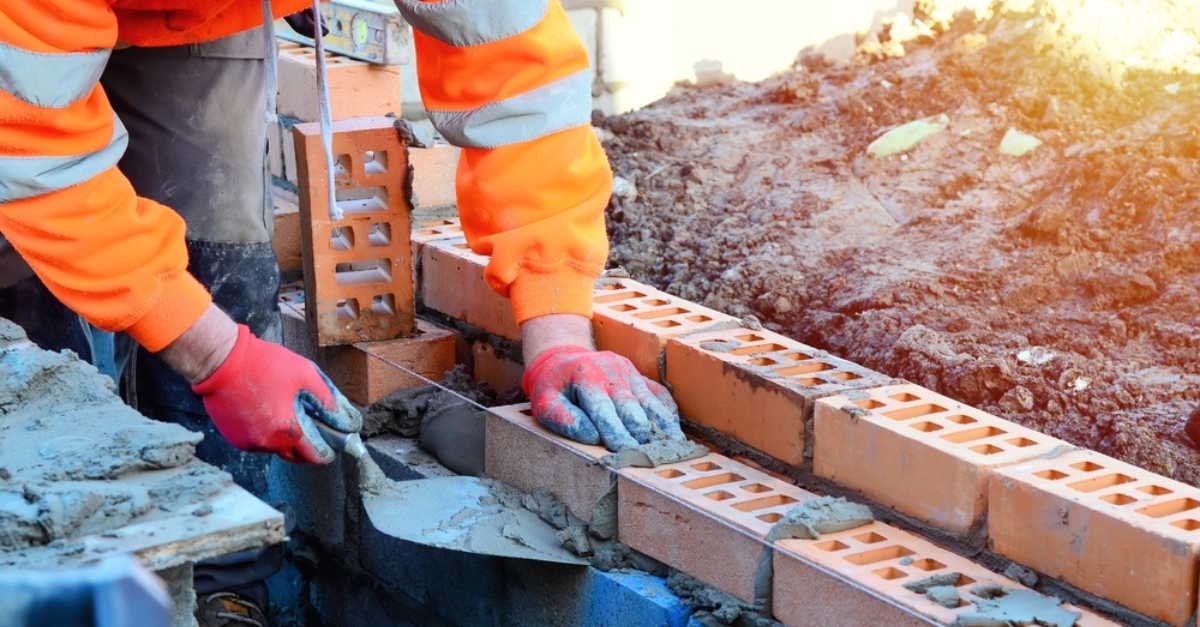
(457, 513)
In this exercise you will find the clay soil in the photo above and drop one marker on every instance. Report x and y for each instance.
(1056, 290)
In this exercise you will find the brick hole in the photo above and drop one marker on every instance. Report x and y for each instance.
(809, 382)
(832, 546)
(363, 272)
(926, 427)
(708, 482)
(1087, 466)
(342, 169)
(529, 412)
(698, 318)
(1154, 490)
(843, 376)
(433, 224)
(928, 564)
(757, 488)
(383, 305)
(362, 199)
(380, 234)
(705, 466)
(754, 350)
(1177, 506)
(749, 338)
(970, 435)
(797, 356)
(375, 162)
(622, 307)
(1097, 483)
(964, 580)
(669, 473)
(347, 309)
(867, 404)
(1050, 475)
(656, 302)
(763, 503)
(805, 368)
(1187, 524)
(904, 397)
(461, 246)
(869, 538)
(761, 361)
(895, 551)
(666, 324)
(771, 517)
(915, 411)
(719, 495)
(890, 573)
(341, 238)
(1021, 442)
(961, 419)
(987, 449)
(612, 298)
(1118, 499)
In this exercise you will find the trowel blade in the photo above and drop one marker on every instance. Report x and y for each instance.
(462, 514)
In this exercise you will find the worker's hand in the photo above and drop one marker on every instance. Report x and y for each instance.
(265, 398)
(598, 397)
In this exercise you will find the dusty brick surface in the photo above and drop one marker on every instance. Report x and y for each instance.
(286, 239)
(491, 367)
(434, 171)
(1102, 525)
(356, 89)
(918, 452)
(452, 283)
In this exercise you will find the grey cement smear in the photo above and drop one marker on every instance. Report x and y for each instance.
(654, 453)
(75, 461)
(1004, 607)
(827, 514)
(460, 514)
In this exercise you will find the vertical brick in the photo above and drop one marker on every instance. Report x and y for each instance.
(452, 283)
(758, 386)
(286, 239)
(356, 89)
(491, 367)
(1104, 526)
(434, 169)
(918, 452)
(358, 272)
(706, 517)
(635, 320)
(523, 454)
(857, 577)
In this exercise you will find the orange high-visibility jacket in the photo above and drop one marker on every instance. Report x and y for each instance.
(507, 80)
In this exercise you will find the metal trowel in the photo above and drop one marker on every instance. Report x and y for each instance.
(455, 513)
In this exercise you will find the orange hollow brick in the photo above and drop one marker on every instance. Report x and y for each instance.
(1102, 525)
(880, 575)
(706, 517)
(757, 386)
(635, 320)
(918, 452)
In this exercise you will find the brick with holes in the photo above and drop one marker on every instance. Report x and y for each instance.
(452, 283)
(919, 452)
(356, 89)
(523, 454)
(706, 517)
(358, 271)
(1102, 525)
(635, 320)
(433, 229)
(758, 386)
(859, 577)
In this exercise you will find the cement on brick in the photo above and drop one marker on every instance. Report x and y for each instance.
(654, 453)
(1016, 608)
(827, 514)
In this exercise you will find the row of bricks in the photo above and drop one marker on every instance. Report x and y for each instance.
(901, 445)
(710, 517)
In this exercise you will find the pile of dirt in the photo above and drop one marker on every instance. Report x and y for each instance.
(1055, 289)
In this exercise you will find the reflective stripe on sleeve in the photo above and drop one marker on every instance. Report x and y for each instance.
(27, 177)
(464, 23)
(51, 80)
(563, 104)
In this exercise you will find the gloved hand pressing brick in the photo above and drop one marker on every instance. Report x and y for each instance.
(598, 397)
(266, 398)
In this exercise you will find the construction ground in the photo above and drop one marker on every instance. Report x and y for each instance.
(922, 281)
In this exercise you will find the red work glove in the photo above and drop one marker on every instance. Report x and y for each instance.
(264, 398)
(598, 396)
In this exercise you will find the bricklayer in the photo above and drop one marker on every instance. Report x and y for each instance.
(1102, 525)
(757, 386)
(918, 452)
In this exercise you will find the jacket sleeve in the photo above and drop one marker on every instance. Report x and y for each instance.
(509, 82)
(118, 260)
